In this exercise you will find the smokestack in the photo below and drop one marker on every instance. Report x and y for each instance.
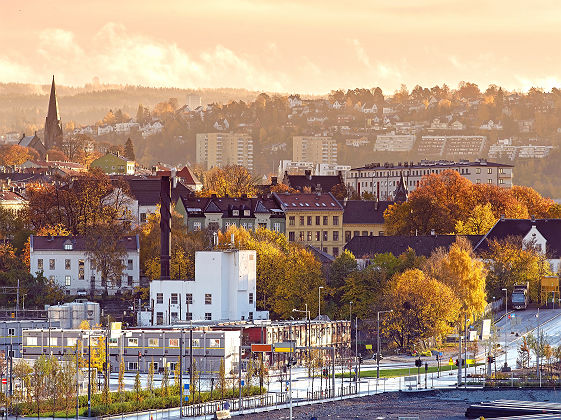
(165, 226)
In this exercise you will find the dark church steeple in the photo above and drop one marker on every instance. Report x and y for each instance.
(53, 126)
(400, 194)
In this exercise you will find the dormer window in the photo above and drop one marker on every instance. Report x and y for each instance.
(68, 246)
(246, 212)
(235, 212)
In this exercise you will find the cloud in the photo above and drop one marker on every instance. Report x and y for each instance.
(119, 56)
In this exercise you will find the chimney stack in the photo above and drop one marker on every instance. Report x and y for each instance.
(308, 174)
(165, 226)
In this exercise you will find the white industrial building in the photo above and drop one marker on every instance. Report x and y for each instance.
(224, 289)
(65, 261)
(70, 315)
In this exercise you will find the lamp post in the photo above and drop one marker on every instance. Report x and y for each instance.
(378, 341)
(319, 302)
(506, 314)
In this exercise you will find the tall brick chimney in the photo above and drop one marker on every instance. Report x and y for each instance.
(165, 226)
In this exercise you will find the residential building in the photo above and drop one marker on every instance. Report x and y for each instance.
(381, 180)
(293, 168)
(139, 348)
(222, 149)
(543, 234)
(314, 149)
(365, 247)
(534, 151)
(394, 142)
(65, 261)
(112, 164)
(224, 289)
(331, 169)
(314, 219)
(431, 146)
(313, 183)
(219, 213)
(194, 101)
(357, 142)
(450, 146)
(11, 201)
(364, 218)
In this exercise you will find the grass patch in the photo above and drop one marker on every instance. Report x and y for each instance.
(393, 373)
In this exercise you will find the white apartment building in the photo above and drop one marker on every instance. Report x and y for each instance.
(331, 169)
(224, 289)
(381, 179)
(394, 142)
(460, 146)
(64, 260)
(315, 149)
(222, 149)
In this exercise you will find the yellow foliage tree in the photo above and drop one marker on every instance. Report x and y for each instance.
(422, 308)
(480, 221)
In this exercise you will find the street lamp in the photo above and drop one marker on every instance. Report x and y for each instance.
(506, 314)
(319, 302)
(378, 341)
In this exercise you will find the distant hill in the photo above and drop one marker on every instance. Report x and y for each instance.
(24, 106)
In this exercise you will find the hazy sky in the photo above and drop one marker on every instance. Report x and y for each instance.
(308, 46)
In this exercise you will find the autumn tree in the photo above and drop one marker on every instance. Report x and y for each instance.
(511, 262)
(459, 269)
(14, 155)
(479, 222)
(423, 308)
(232, 180)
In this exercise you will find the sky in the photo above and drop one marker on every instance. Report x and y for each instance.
(308, 46)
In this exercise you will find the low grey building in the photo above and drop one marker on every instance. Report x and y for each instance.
(11, 332)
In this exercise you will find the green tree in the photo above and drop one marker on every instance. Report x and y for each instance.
(121, 379)
(165, 382)
(129, 150)
(150, 377)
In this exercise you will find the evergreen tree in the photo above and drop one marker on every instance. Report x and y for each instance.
(129, 150)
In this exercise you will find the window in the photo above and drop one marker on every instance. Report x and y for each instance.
(501, 181)
(174, 317)
(364, 233)
(174, 299)
(113, 342)
(489, 181)
(129, 281)
(159, 318)
(309, 236)
(246, 212)
(478, 170)
(250, 317)
(71, 341)
(235, 212)
(317, 220)
(208, 316)
(302, 236)
(159, 298)
(301, 220)
(11, 331)
(142, 217)
(40, 264)
(325, 221)
(501, 170)
(51, 264)
(129, 264)
(318, 236)
(335, 220)
(251, 298)
(173, 342)
(81, 269)
(309, 220)
(189, 298)
(347, 235)
(214, 342)
(133, 342)
(67, 264)
(196, 226)
(153, 342)
(31, 341)
(208, 299)
(335, 235)
(133, 365)
(67, 281)
(325, 235)
(196, 342)
(291, 220)
(68, 246)
(189, 316)
(276, 227)
(478, 181)
(489, 170)
(291, 236)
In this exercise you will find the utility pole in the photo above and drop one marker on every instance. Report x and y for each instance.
(77, 381)
(89, 374)
(506, 315)
(465, 350)
(181, 374)
(538, 349)
(460, 353)
(240, 370)
(290, 372)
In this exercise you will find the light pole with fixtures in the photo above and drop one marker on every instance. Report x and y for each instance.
(319, 302)
(506, 315)
(378, 341)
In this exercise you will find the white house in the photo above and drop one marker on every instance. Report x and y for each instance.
(65, 261)
(224, 289)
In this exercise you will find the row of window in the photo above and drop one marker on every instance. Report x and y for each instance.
(118, 282)
(310, 235)
(307, 220)
(349, 235)
(384, 174)
(131, 342)
(174, 298)
(68, 264)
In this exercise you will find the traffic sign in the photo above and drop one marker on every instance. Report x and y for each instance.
(185, 386)
(368, 347)
(243, 382)
(261, 347)
(4, 381)
(287, 347)
(186, 398)
(450, 362)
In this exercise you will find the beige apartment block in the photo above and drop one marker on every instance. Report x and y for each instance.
(222, 149)
(314, 149)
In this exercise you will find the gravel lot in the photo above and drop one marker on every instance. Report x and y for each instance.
(442, 404)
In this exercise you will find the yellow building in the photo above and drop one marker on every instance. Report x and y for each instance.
(314, 219)
(364, 218)
(314, 149)
(222, 149)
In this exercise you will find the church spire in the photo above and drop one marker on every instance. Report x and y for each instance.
(53, 125)
(400, 194)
